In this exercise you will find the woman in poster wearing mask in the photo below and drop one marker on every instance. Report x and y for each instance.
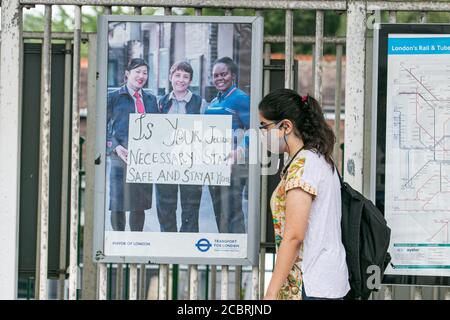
(230, 100)
(179, 101)
(130, 98)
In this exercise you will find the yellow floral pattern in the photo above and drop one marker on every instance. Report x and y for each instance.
(292, 287)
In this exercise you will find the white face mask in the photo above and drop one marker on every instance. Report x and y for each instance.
(274, 143)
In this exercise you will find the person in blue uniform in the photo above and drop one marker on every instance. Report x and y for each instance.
(230, 100)
(130, 98)
(179, 101)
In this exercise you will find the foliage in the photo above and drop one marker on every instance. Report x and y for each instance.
(274, 22)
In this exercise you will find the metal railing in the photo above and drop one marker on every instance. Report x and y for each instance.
(10, 92)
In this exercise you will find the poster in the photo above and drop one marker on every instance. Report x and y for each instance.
(178, 99)
(417, 180)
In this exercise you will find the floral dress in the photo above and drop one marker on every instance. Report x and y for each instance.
(292, 287)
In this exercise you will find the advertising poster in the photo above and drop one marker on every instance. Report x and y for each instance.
(179, 100)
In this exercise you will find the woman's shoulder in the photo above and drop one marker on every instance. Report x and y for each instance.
(297, 165)
(239, 91)
(214, 104)
(197, 97)
(315, 159)
(307, 158)
(148, 94)
(306, 171)
(113, 96)
(240, 94)
(114, 92)
(163, 97)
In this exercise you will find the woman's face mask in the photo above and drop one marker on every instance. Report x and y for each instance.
(275, 141)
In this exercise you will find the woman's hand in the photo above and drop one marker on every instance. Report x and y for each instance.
(122, 153)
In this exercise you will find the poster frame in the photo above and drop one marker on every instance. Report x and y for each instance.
(253, 233)
(378, 141)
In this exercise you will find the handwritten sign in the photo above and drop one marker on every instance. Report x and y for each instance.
(179, 149)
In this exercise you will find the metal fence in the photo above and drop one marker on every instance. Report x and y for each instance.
(97, 279)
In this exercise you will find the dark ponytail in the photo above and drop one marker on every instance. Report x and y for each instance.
(306, 114)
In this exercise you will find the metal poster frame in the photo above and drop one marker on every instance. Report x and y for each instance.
(253, 232)
(378, 150)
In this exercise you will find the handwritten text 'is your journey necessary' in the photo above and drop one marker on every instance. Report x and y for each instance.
(181, 153)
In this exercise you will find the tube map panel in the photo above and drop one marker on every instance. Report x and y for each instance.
(417, 186)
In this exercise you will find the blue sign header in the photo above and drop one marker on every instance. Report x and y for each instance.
(439, 45)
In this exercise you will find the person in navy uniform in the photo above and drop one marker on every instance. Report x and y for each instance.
(230, 100)
(130, 98)
(179, 101)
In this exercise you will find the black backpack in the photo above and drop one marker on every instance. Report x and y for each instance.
(365, 236)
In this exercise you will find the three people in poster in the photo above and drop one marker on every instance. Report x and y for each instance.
(137, 197)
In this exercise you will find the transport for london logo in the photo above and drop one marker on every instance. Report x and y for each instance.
(203, 245)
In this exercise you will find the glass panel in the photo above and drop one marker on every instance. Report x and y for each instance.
(177, 161)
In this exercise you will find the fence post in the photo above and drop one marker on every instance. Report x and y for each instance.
(103, 280)
(193, 282)
(355, 93)
(237, 282)
(65, 170)
(264, 185)
(89, 267)
(255, 284)
(318, 57)
(289, 53)
(388, 293)
(10, 128)
(224, 284)
(133, 282)
(392, 16)
(119, 282)
(416, 293)
(423, 17)
(213, 282)
(74, 214)
(163, 279)
(44, 153)
(142, 281)
(337, 102)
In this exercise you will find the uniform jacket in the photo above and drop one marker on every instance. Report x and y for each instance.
(120, 104)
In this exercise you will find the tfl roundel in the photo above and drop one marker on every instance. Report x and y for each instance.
(203, 245)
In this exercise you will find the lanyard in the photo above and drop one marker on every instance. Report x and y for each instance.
(229, 93)
(286, 167)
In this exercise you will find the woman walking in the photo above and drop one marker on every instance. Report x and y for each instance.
(306, 205)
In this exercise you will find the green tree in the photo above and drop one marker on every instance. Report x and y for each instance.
(304, 24)
(274, 22)
(63, 21)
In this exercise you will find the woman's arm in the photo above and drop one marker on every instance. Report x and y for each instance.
(298, 206)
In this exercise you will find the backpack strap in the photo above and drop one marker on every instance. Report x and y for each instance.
(339, 175)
